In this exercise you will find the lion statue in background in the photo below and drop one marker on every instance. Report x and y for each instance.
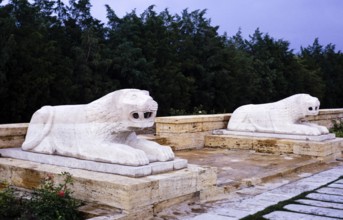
(279, 117)
(103, 130)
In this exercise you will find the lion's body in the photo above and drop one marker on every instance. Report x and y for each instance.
(278, 117)
(102, 130)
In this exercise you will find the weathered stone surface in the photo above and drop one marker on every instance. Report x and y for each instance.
(114, 190)
(332, 191)
(188, 132)
(12, 135)
(325, 197)
(132, 171)
(103, 130)
(328, 148)
(329, 212)
(339, 181)
(321, 203)
(326, 117)
(282, 215)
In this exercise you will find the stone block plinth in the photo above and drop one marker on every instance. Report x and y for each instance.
(126, 193)
(12, 135)
(188, 132)
(327, 149)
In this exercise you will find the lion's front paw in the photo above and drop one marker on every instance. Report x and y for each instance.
(323, 129)
(137, 158)
(312, 131)
(164, 153)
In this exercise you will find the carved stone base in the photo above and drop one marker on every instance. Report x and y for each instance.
(132, 171)
(131, 195)
(327, 149)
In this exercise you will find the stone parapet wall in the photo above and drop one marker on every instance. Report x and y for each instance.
(326, 117)
(188, 132)
(12, 135)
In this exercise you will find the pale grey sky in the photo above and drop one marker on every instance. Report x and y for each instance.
(297, 21)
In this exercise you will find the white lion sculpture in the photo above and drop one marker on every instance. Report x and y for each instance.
(279, 117)
(103, 130)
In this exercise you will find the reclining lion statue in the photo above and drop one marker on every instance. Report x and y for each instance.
(283, 117)
(103, 130)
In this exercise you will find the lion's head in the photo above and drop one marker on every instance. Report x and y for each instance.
(309, 105)
(124, 110)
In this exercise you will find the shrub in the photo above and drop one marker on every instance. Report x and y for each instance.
(337, 128)
(10, 206)
(51, 202)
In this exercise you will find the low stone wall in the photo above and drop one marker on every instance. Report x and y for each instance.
(188, 132)
(12, 135)
(326, 117)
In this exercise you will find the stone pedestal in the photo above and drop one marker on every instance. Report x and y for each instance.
(325, 149)
(132, 171)
(131, 195)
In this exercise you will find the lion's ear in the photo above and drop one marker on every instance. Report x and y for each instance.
(145, 92)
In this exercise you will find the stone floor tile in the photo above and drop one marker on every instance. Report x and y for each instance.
(336, 185)
(339, 181)
(321, 204)
(325, 197)
(332, 191)
(282, 215)
(335, 213)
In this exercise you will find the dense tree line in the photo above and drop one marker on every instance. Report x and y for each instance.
(52, 53)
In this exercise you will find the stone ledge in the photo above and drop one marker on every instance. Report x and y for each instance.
(132, 171)
(323, 137)
(326, 150)
(126, 193)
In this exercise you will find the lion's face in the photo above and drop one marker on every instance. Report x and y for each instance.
(138, 109)
(310, 105)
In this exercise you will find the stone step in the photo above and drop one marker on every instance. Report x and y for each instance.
(282, 215)
(328, 212)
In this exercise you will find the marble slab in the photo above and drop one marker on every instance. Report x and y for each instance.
(323, 137)
(131, 171)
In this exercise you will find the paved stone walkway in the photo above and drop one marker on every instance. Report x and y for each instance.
(325, 203)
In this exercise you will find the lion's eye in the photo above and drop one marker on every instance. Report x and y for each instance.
(310, 108)
(135, 115)
(316, 107)
(147, 114)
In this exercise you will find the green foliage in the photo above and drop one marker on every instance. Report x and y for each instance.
(10, 207)
(49, 202)
(53, 53)
(337, 128)
(54, 202)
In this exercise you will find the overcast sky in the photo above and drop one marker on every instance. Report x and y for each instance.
(297, 21)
